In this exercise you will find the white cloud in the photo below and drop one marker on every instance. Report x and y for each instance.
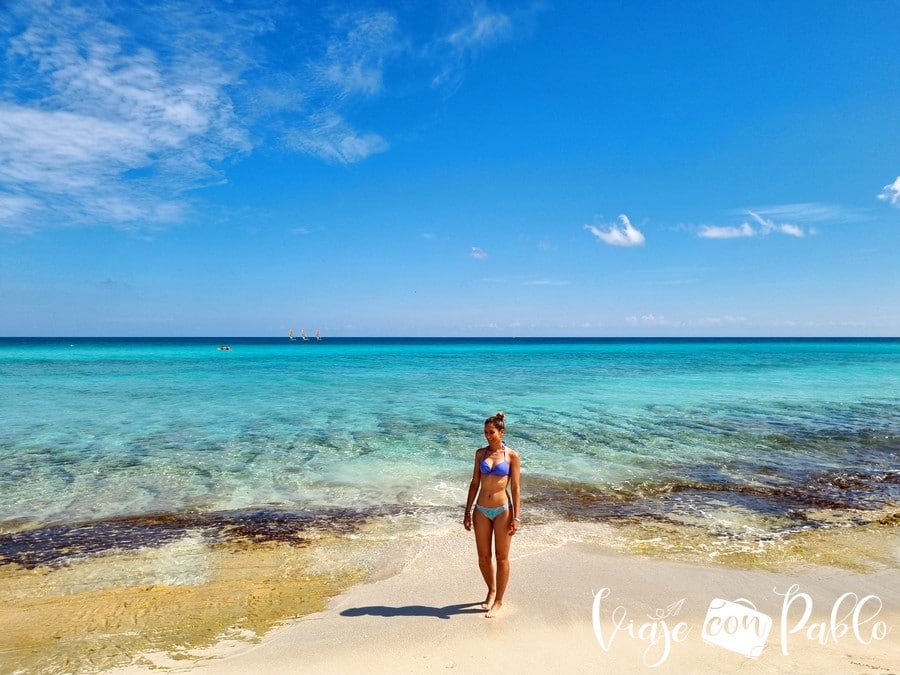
(763, 227)
(717, 321)
(547, 282)
(627, 235)
(330, 138)
(96, 128)
(719, 232)
(354, 77)
(768, 225)
(891, 193)
(112, 114)
(478, 253)
(807, 212)
(356, 55)
(482, 29)
(792, 230)
(13, 206)
(648, 320)
(59, 151)
(114, 120)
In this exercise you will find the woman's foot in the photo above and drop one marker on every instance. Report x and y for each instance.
(489, 600)
(494, 610)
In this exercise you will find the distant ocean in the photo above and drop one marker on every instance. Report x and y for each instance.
(110, 444)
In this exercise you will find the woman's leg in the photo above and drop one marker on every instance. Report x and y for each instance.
(484, 529)
(502, 541)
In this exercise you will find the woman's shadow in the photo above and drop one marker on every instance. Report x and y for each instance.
(416, 610)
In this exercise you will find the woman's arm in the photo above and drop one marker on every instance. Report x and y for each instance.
(515, 491)
(473, 492)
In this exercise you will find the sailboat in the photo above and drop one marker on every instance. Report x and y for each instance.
(318, 336)
(303, 334)
(291, 334)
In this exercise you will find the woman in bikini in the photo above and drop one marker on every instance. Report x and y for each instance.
(496, 512)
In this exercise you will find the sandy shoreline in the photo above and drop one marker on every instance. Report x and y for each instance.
(425, 619)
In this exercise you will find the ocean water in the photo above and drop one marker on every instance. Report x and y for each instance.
(110, 444)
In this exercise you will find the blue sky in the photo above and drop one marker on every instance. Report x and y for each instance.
(457, 168)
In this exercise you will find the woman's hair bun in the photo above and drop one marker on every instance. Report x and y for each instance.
(497, 421)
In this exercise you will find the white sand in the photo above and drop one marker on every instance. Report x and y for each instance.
(425, 619)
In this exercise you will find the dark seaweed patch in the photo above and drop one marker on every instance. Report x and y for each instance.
(772, 496)
(59, 544)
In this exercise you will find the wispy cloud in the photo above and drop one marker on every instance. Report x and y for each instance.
(614, 235)
(479, 30)
(547, 282)
(891, 193)
(328, 137)
(726, 232)
(658, 320)
(356, 54)
(806, 212)
(483, 28)
(114, 114)
(478, 253)
(14, 207)
(97, 127)
(767, 226)
(719, 321)
(759, 227)
(647, 320)
(357, 48)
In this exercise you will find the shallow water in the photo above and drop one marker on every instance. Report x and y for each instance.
(126, 443)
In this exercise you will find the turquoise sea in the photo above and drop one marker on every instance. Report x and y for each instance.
(109, 444)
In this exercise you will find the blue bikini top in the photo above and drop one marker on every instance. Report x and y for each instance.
(499, 469)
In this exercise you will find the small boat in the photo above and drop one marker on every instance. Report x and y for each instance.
(303, 334)
(318, 336)
(291, 334)
(224, 348)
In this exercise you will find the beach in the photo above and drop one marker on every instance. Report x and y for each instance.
(426, 619)
(574, 604)
(296, 508)
(293, 292)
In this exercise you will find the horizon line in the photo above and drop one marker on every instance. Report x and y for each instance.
(452, 337)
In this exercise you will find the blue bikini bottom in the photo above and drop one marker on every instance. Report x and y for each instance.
(490, 512)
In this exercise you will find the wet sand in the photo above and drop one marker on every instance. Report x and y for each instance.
(104, 611)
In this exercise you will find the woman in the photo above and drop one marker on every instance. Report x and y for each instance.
(496, 513)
